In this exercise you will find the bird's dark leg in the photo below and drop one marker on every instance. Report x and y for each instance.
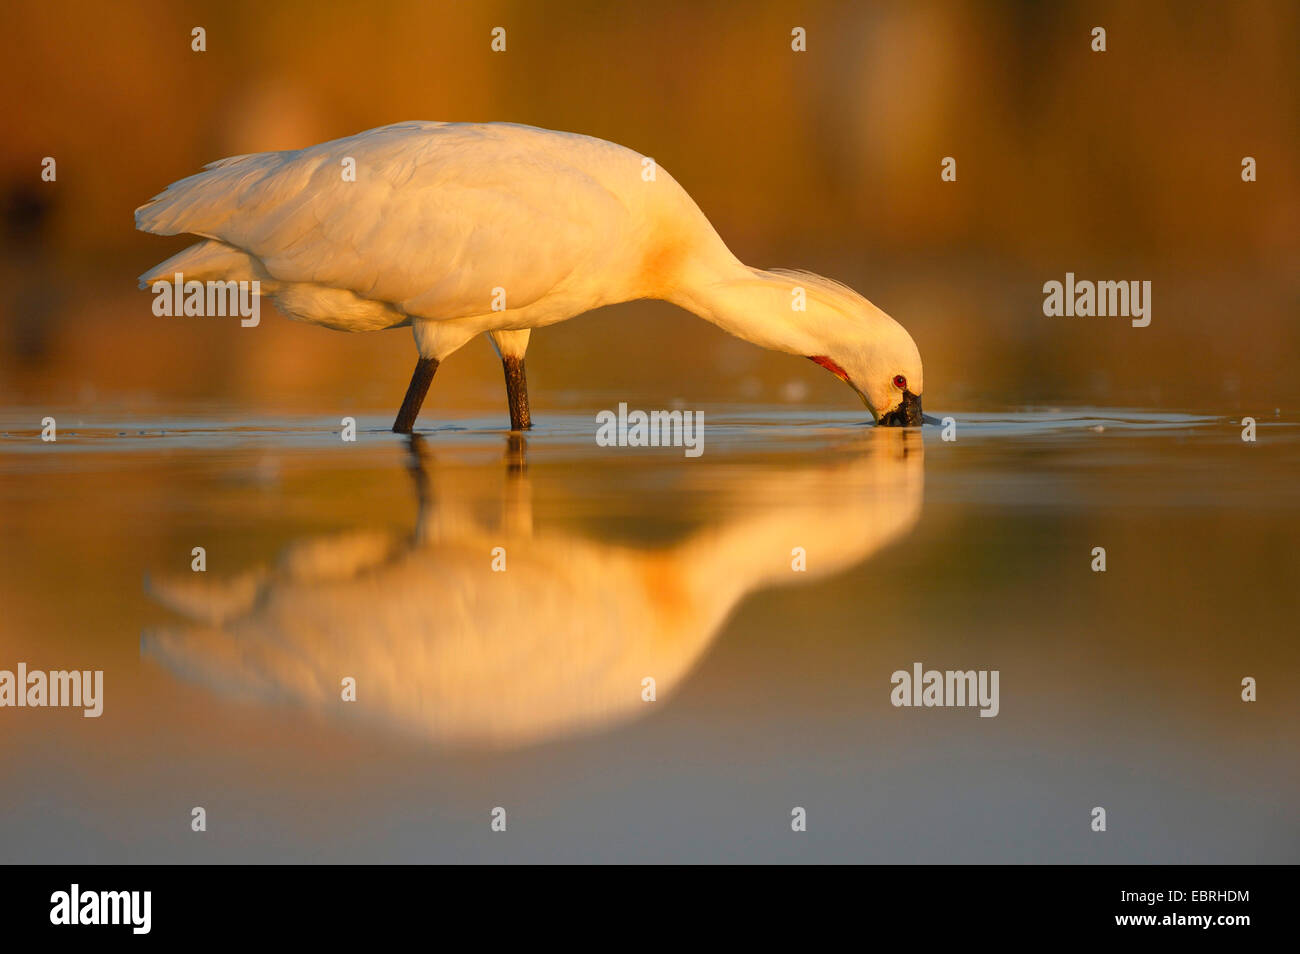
(417, 451)
(516, 454)
(415, 393)
(517, 393)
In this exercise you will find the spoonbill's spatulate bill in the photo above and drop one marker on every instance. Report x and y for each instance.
(457, 229)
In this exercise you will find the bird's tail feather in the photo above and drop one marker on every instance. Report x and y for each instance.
(201, 203)
(204, 261)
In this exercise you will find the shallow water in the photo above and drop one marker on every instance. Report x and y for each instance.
(523, 688)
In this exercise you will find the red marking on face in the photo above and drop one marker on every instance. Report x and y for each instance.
(829, 365)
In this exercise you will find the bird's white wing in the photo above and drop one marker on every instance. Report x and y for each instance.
(439, 215)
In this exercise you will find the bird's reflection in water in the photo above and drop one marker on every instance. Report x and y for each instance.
(444, 646)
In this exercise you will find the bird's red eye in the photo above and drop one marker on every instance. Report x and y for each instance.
(900, 382)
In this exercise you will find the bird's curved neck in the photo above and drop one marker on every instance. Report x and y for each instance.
(765, 308)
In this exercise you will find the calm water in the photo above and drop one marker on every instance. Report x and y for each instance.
(523, 689)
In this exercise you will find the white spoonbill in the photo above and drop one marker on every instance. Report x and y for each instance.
(462, 228)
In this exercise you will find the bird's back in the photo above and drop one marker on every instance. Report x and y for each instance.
(432, 218)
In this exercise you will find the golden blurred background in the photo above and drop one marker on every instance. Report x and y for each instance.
(1119, 165)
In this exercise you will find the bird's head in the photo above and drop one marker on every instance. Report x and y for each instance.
(883, 366)
(868, 350)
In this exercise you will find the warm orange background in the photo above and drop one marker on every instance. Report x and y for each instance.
(1122, 165)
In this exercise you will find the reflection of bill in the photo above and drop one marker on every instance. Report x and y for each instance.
(442, 645)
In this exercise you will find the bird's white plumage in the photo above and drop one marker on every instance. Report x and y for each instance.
(439, 216)
(460, 229)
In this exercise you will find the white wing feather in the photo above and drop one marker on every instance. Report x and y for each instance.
(439, 215)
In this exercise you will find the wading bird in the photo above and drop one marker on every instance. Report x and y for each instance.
(457, 229)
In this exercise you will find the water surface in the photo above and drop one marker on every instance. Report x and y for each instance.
(523, 688)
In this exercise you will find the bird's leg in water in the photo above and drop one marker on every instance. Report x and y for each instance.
(517, 393)
(424, 504)
(418, 452)
(516, 454)
(415, 393)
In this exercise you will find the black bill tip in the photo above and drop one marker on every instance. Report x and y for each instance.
(907, 414)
